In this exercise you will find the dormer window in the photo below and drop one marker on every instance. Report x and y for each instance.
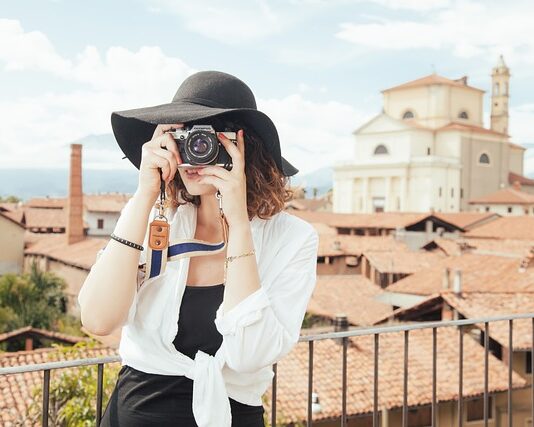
(381, 149)
(463, 115)
(408, 114)
(484, 159)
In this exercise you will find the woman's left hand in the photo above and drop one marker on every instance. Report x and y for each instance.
(231, 184)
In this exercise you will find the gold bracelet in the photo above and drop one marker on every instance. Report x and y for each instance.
(231, 258)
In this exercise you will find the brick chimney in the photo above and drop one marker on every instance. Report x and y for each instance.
(517, 185)
(74, 229)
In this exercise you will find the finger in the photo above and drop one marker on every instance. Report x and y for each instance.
(170, 158)
(170, 143)
(233, 152)
(161, 128)
(218, 171)
(210, 179)
(158, 162)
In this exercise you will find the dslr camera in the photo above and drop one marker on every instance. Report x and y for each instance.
(199, 146)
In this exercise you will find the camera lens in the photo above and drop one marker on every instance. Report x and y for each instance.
(201, 147)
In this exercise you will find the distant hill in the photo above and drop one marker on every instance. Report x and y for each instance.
(28, 183)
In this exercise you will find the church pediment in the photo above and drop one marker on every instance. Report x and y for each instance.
(382, 123)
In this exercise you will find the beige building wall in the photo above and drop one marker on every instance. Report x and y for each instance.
(11, 246)
(435, 105)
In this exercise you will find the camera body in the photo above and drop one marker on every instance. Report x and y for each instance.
(199, 146)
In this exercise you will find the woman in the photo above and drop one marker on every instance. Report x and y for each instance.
(198, 339)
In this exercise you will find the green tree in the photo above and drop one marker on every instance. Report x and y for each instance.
(73, 391)
(34, 299)
(10, 199)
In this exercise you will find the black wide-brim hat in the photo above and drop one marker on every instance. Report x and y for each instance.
(203, 95)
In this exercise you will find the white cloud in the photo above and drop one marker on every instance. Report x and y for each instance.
(467, 28)
(22, 50)
(232, 22)
(35, 131)
(313, 134)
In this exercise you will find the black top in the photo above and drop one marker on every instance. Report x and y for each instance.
(144, 399)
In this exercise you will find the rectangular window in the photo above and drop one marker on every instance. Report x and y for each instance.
(509, 209)
(452, 192)
(475, 409)
(461, 193)
(528, 362)
(439, 191)
(100, 223)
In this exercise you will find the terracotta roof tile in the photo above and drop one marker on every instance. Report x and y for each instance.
(482, 304)
(58, 336)
(465, 220)
(507, 227)
(109, 202)
(16, 389)
(481, 246)
(307, 204)
(480, 273)
(345, 244)
(505, 196)
(523, 180)
(81, 254)
(292, 374)
(406, 262)
(469, 128)
(387, 220)
(432, 79)
(352, 295)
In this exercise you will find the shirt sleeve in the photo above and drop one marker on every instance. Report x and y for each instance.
(264, 327)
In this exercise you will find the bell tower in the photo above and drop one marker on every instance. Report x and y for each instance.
(500, 79)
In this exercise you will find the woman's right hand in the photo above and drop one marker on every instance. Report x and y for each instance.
(154, 158)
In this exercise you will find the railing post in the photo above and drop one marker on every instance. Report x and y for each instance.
(460, 376)
(310, 381)
(375, 380)
(344, 385)
(99, 387)
(273, 400)
(486, 371)
(46, 392)
(405, 385)
(510, 360)
(434, 376)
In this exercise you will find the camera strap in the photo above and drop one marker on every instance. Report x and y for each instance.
(160, 249)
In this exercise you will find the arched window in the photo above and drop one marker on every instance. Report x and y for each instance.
(496, 88)
(381, 149)
(408, 115)
(505, 88)
(463, 115)
(484, 158)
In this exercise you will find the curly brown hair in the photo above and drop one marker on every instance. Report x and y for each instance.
(267, 187)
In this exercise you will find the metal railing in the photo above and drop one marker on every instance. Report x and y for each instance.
(344, 335)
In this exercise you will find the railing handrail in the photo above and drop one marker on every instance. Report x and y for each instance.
(305, 338)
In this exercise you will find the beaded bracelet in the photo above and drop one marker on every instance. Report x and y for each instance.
(126, 242)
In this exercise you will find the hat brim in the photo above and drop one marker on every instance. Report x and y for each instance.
(132, 128)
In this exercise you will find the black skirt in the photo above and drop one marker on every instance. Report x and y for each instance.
(141, 399)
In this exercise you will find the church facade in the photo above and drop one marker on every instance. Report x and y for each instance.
(428, 150)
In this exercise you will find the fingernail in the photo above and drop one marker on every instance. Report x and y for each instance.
(241, 133)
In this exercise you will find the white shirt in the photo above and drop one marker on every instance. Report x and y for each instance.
(257, 332)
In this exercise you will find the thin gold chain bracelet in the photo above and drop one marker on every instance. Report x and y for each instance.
(231, 258)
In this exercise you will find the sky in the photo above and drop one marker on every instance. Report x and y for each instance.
(316, 67)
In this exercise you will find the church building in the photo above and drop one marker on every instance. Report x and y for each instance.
(429, 151)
